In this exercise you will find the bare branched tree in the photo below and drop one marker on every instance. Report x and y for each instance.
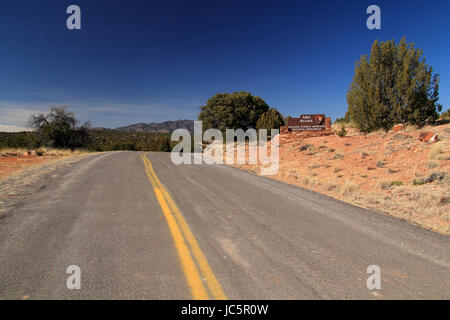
(58, 129)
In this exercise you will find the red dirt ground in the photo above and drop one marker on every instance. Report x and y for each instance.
(376, 171)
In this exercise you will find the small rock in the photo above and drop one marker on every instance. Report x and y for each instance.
(11, 154)
(399, 127)
(434, 138)
(428, 136)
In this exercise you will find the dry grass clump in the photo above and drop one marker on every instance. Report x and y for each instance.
(440, 151)
(432, 165)
(338, 156)
(13, 150)
(62, 152)
(306, 147)
(381, 164)
(387, 185)
(293, 174)
(428, 199)
(42, 152)
(331, 185)
(349, 188)
(314, 166)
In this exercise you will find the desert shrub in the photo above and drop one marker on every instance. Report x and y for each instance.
(40, 152)
(293, 173)
(331, 185)
(342, 132)
(338, 156)
(384, 185)
(349, 188)
(389, 184)
(432, 165)
(444, 200)
(419, 182)
(436, 176)
(445, 115)
(440, 151)
(380, 164)
(305, 147)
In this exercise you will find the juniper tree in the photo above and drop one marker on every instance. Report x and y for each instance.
(393, 85)
(239, 110)
(271, 119)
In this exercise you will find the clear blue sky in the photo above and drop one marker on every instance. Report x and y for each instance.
(144, 61)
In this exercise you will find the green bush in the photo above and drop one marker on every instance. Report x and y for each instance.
(342, 132)
(100, 140)
(16, 140)
(269, 120)
(239, 110)
(396, 183)
(394, 85)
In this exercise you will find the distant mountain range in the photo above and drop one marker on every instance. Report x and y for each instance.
(166, 126)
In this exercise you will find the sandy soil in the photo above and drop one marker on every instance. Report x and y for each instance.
(392, 173)
(10, 165)
(20, 175)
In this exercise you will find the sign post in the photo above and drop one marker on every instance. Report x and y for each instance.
(308, 122)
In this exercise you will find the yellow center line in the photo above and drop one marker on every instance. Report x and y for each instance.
(176, 221)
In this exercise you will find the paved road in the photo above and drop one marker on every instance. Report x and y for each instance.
(153, 230)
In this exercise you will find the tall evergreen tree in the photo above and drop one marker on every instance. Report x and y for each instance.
(394, 85)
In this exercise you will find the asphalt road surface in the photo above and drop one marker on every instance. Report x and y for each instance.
(140, 229)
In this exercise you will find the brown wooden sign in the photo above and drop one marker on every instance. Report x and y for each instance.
(307, 122)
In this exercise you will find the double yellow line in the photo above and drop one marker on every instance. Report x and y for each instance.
(195, 266)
